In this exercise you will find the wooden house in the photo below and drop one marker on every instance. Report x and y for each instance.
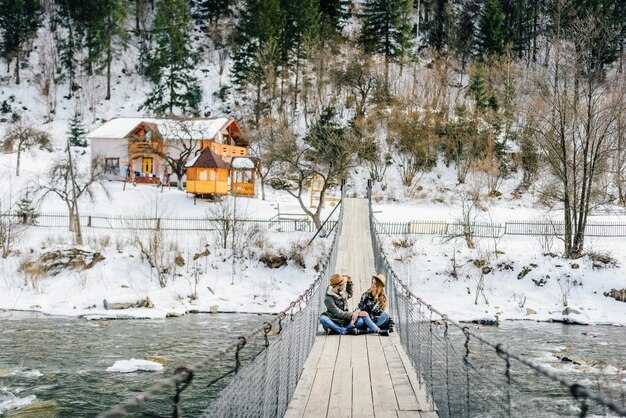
(135, 147)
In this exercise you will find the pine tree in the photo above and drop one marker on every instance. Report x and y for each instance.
(387, 30)
(491, 29)
(333, 15)
(26, 212)
(19, 21)
(300, 23)
(111, 36)
(68, 49)
(170, 69)
(462, 39)
(438, 28)
(259, 23)
(209, 10)
(76, 132)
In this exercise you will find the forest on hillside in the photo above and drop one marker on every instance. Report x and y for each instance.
(494, 87)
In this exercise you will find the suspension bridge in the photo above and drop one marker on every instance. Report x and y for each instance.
(431, 367)
(364, 376)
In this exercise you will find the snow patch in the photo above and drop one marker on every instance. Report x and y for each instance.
(132, 365)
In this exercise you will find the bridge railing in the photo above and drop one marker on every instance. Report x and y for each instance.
(257, 372)
(468, 376)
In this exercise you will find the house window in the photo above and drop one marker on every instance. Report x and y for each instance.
(112, 166)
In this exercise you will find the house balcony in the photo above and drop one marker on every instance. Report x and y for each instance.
(227, 151)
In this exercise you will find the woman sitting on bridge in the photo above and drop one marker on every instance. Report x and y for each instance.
(371, 311)
(337, 318)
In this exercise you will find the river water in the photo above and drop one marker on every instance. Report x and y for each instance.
(58, 365)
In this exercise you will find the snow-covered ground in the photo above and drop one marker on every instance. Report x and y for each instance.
(447, 274)
(200, 282)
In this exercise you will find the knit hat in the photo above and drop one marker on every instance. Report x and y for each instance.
(337, 279)
(380, 278)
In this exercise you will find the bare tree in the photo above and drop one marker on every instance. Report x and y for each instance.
(619, 161)
(575, 122)
(44, 75)
(23, 136)
(182, 140)
(10, 227)
(328, 150)
(69, 183)
(415, 146)
(361, 80)
(158, 251)
(268, 132)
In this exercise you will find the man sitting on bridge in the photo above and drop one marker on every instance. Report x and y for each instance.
(337, 318)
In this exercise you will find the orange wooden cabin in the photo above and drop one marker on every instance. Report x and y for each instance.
(212, 172)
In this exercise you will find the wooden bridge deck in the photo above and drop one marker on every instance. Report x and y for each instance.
(364, 375)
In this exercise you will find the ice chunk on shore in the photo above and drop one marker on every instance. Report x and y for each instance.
(14, 402)
(132, 365)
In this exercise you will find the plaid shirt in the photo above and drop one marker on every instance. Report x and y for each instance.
(369, 305)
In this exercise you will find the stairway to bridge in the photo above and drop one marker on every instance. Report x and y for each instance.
(364, 375)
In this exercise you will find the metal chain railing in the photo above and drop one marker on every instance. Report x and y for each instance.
(260, 387)
(468, 376)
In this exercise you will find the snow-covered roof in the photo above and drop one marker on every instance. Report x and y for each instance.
(242, 163)
(118, 128)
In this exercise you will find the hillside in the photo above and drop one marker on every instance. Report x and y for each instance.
(441, 120)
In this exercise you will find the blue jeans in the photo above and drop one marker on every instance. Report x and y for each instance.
(366, 321)
(328, 323)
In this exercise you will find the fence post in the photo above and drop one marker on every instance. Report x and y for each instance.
(158, 224)
(89, 221)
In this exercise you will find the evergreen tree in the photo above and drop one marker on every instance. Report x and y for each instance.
(491, 29)
(175, 88)
(438, 29)
(209, 10)
(68, 48)
(300, 23)
(76, 133)
(111, 36)
(387, 30)
(19, 21)
(259, 23)
(333, 15)
(462, 38)
(26, 212)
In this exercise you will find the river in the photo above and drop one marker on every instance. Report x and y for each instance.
(59, 364)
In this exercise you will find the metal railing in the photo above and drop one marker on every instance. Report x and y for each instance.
(496, 230)
(101, 221)
(260, 387)
(467, 375)
(302, 223)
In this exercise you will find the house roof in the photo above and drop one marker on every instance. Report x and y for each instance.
(207, 159)
(198, 128)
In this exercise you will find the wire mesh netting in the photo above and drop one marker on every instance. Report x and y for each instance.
(467, 376)
(258, 373)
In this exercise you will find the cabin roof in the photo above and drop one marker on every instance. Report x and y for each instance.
(197, 128)
(207, 159)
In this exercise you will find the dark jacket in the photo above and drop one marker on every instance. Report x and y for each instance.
(369, 305)
(337, 305)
